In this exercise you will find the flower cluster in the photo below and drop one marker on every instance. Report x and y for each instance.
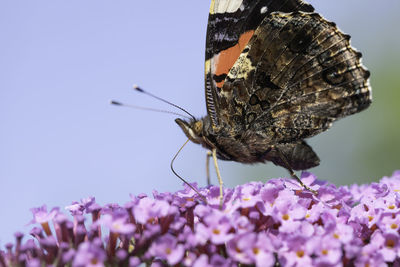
(276, 223)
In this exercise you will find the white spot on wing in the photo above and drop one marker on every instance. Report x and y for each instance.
(263, 10)
(223, 6)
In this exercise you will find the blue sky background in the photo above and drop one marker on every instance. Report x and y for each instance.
(63, 61)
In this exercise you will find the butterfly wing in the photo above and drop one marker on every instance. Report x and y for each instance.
(297, 75)
(231, 25)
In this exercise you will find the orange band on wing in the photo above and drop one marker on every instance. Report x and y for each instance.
(228, 57)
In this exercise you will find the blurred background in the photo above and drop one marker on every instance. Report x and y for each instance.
(61, 62)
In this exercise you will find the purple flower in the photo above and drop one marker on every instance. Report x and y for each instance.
(75, 208)
(87, 202)
(189, 259)
(251, 248)
(218, 260)
(167, 248)
(247, 196)
(388, 204)
(389, 223)
(307, 178)
(269, 192)
(343, 232)
(34, 263)
(134, 261)
(41, 215)
(118, 225)
(262, 251)
(89, 254)
(186, 197)
(276, 223)
(328, 251)
(242, 224)
(365, 213)
(216, 228)
(313, 214)
(288, 212)
(297, 251)
(368, 256)
(202, 261)
(147, 210)
(213, 196)
(392, 182)
(240, 247)
(78, 208)
(387, 245)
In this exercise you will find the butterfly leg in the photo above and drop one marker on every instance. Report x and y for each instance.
(209, 155)
(221, 192)
(292, 173)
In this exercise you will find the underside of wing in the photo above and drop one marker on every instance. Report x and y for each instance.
(299, 156)
(231, 25)
(295, 77)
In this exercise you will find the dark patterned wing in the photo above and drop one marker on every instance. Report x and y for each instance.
(231, 24)
(299, 155)
(295, 77)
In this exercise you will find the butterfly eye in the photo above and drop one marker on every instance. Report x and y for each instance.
(198, 127)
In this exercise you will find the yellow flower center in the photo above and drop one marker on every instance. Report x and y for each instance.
(168, 251)
(216, 231)
(394, 226)
(336, 236)
(256, 251)
(300, 253)
(285, 217)
(370, 218)
(325, 252)
(390, 243)
(116, 226)
(391, 207)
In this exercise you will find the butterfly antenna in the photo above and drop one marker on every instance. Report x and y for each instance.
(177, 175)
(117, 103)
(139, 89)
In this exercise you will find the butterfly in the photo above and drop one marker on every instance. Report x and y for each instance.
(276, 73)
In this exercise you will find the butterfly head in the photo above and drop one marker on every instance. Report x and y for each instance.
(202, 132)
(193, 129)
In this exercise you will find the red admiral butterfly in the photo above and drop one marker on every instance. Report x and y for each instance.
(275, 74)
